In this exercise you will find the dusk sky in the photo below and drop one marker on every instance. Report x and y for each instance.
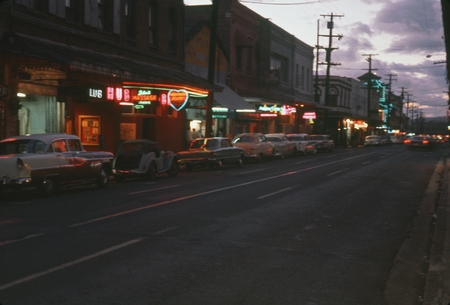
(406, 35)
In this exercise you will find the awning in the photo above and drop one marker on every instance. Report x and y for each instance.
(231, 100)
(85, 60)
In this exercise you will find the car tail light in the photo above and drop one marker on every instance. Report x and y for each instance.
(425, 142)
(19, 163)
(407, 141)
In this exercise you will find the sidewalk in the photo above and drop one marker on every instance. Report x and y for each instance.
(437, 288)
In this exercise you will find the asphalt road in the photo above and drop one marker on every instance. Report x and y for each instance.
(323, 229)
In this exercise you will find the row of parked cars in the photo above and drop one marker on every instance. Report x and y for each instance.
(218, 151)
(50, 161)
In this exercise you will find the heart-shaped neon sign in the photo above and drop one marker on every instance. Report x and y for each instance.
(178, 99)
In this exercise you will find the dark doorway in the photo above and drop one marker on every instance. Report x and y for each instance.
(149, 129)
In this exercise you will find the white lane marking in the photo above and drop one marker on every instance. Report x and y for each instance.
(302, 162)
(69, 264)
(164, 231)
(256, 170)
(20, 239)
(211, 192)
(274, 193)
(156, 189)
(343, 170)
(365, 162)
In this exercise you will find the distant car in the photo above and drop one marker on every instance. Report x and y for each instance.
(143, 158)
(323, 142)
(303, 143)
(255, 146)
(385, 140)
(282, 147)
(373, 140)
(48, 161)
(419, 142)
(211, 152)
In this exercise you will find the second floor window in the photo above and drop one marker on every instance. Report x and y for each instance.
(40, 6)
(74, 11)
(152, 24)
(129, 19)
(173, 30)
(105, 13)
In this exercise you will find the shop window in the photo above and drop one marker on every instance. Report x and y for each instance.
(142, 108)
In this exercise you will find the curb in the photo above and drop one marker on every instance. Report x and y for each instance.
(437, 286)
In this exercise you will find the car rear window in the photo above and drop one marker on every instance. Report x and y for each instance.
(22, 147)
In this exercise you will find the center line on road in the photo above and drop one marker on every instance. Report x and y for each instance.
(211, 192)
(274, 193)
(151, 190)
(343, 170)
(67, 265)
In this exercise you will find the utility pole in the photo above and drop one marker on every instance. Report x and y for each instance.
(401, 110)
(211, 66)
(389, 96)
(330, 26)
(407, 110)
(369, 82)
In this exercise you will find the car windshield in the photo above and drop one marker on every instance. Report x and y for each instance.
(129, 147)
(211, 144)
(245, 139)
(27, 146)
(197, 143)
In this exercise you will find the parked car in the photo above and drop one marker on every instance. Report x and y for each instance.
(143, 158)
(211, 152)
(303, 143)
(282, 147)
(255, 146)
(419, 142)
(373, 140)
(48, 161)
(385, 140)
(323, 142)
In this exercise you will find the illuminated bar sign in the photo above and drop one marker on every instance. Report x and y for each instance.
(309, 115)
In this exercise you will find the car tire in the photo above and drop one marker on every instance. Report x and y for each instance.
(174, 169)
(49, 186)
(103, 179)
(151, 172)
(240, 161)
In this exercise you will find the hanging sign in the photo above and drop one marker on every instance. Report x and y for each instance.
(309, 115)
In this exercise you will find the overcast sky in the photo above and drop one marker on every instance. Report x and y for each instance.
(401, 32)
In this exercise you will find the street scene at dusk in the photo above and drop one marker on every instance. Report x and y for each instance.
(224, 152)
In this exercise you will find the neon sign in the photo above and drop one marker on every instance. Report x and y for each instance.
(309, 115)
(178, 99)
(273, 108)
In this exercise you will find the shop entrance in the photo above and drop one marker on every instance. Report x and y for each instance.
(149, 129)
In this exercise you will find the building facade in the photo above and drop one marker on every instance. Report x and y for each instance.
(106, 71)
(268, 67)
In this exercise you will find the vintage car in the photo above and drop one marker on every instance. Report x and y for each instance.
(211, 152)
(372, 140)
(323, 142)
(303, 143)
(143, 158)
(255, 146)
(419, 142)
(48, 161)
(282, 147)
